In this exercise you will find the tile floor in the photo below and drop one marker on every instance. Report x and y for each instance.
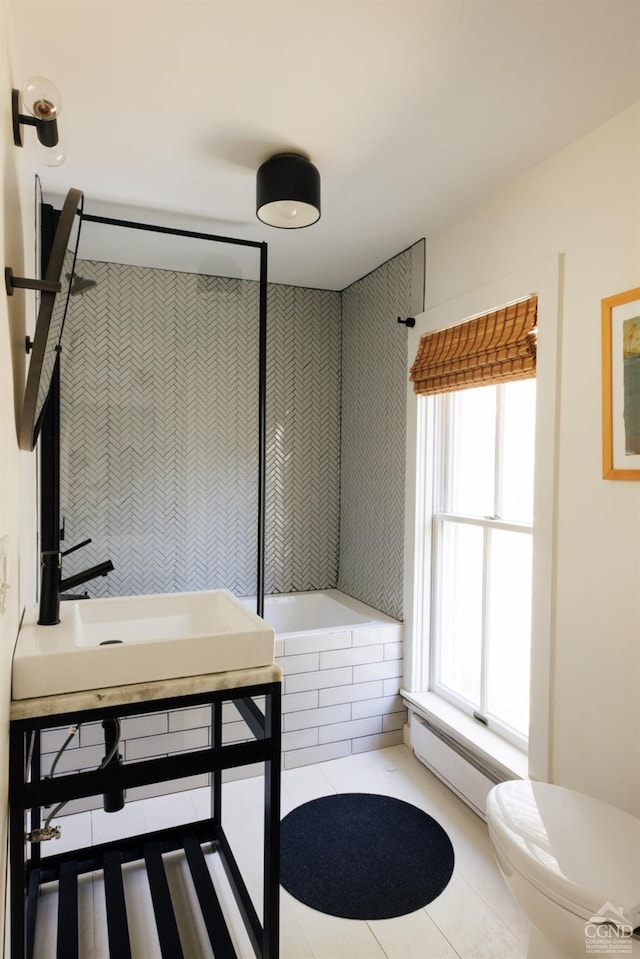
(474, 918)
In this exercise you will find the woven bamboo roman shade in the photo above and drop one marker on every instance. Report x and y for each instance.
(493, 348)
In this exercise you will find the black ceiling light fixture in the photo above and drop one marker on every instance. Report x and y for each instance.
(288, 192)
(42, 101)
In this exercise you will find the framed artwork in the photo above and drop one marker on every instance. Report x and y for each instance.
(621, 386)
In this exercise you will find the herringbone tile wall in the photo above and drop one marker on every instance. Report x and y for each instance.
(303, 433)
(374, 376)
(159, 432)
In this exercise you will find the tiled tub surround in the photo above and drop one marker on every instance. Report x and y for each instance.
(158, 448)
(342, 672)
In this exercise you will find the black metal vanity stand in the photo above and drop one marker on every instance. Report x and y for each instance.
(33, 864)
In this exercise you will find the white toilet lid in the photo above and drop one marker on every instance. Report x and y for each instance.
(577, 850)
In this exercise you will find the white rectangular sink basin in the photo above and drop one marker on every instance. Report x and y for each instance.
(137, 639)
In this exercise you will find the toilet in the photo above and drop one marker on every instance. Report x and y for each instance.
(573, 865)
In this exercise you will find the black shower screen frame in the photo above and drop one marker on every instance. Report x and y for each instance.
(50, 435)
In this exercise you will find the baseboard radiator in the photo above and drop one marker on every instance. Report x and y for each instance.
(468, 774)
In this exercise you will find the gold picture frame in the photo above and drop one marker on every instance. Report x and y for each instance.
(620, 398)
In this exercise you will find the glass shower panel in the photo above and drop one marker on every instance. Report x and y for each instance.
(159, 400)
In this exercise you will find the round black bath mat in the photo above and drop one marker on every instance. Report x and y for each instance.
(364, 856)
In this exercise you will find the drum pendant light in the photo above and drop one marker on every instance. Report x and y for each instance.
(288, 192)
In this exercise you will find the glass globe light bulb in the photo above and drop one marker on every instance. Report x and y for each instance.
(50, 156)
(41, 98)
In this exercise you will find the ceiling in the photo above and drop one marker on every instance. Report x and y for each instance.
(412, 111)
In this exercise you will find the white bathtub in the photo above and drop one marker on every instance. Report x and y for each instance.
(341, 675)
(317, 612)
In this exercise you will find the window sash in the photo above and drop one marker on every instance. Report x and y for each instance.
(487, 526)
(440, 517)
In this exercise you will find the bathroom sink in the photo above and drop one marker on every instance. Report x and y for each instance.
(136, 639)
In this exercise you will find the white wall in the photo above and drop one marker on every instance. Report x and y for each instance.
(585, 204)
(17, 470)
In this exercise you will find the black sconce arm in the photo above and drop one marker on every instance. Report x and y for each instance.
(46, 127)
(12, 283)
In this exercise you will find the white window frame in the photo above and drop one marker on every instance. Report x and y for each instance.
(443, 476)
(543, 280)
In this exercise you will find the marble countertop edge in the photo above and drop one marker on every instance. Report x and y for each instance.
(143, 692)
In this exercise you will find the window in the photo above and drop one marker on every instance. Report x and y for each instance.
(479, 379)
(434, 339)
(481, 559)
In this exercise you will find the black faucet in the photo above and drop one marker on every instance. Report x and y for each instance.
(50, 570)
(52, 584)
(101, 569)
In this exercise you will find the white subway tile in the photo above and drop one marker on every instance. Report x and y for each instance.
(192, 718)
(350, 730)
(318, 680)
(52, 739)
(350, 694)
(393, 721)
(377, 707)
(317, 643)
(235, 732)
(381, 741)
(299, 739)
(370, 635)
(316, 754)
(278, 649)
(230, 713)
(72, 760)
(91, 734)
(295, 701)
(135, 727)
(305, 663)
(393, 650)
(391, 687)
(162, 745)
(371, 671)
(351, 657)
(168, 788)
(317, 717)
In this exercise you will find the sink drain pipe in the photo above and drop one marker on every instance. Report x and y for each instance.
(112, 801)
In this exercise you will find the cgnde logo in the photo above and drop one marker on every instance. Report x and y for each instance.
(608, 932)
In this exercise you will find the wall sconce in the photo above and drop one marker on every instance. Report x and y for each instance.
(43, 102)
(288, 192)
